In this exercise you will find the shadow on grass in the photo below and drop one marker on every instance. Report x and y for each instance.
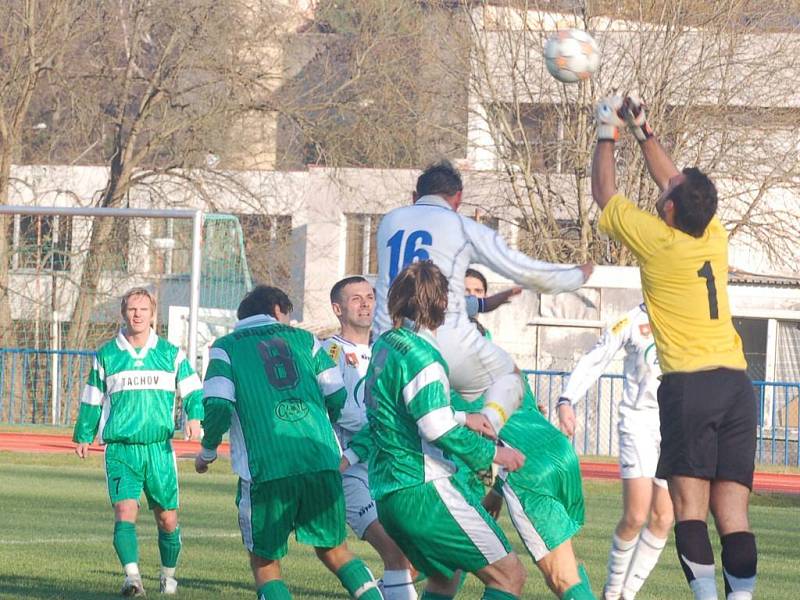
(43, 588)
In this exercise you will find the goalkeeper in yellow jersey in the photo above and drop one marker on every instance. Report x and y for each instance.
(706, 402)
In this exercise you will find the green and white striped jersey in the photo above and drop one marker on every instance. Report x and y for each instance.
(414, 428)
(278, 391)
(130, 395)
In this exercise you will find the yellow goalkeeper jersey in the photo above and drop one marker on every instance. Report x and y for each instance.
(685, 287)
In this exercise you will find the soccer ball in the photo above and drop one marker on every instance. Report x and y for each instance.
(571, 55)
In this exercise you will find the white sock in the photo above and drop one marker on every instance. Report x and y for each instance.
(645, 557)
(131, 570)
(619, 557)
(740, 595)
(398, 585)
(704, 588)
(168, 571)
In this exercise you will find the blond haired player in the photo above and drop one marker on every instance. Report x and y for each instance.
(706, 402)
(130, 401)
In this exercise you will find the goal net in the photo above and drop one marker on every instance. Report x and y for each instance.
(66, 270)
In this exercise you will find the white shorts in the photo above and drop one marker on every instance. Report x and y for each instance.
(638, 453)
(475, 362)
(360, 507)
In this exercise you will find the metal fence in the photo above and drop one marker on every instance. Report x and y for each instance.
(597, 416)
(44, 386)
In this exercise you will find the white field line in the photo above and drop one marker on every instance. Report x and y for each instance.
(105, 538)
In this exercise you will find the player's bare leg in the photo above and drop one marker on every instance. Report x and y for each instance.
(503, 579)
(690, 497)
(560, 570)
(127, 546)
(398, 582)
(169, 547)
(438, 587)
(651, 541)
(267, 575)
(729, 505)
(635, 549)
(354, 575)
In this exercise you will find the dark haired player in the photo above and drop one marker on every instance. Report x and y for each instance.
(707, 407)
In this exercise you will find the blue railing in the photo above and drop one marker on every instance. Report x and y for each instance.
(44, 386)
(597, 416)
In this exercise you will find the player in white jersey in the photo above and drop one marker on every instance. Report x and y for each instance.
(635, 548)
(432, 229)
(353, 303)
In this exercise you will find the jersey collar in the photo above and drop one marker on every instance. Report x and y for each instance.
(433, 200)
(255, 321)
(425, 333)
(124, 344)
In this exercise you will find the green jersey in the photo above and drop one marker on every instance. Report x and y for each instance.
(277, 390)
(130, 395)
(415, 430)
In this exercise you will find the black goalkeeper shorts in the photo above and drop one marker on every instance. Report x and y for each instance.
(708, 425)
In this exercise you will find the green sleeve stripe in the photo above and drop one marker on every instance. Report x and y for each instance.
(219, 387)
(436, 423)
(431, 397)
(193, 404)
(86, 424)
(98, 369)
(330, 381)
(322, 360)
(217, 367)
(92, 396)
(430, 374)
(216, 421)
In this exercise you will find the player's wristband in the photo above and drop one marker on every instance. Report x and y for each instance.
(642, 132)
(351, 456)
(562, 401)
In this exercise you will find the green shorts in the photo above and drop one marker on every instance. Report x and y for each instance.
(131, 468)
(441, 529)
(545, 497)
(311, 505)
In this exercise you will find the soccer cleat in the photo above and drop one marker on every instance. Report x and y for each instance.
(169, 585)
(132, 586)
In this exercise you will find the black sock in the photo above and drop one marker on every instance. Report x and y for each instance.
(739, 561)
(694, 549)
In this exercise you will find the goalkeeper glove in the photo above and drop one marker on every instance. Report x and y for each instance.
(636, 118)
(609, 117)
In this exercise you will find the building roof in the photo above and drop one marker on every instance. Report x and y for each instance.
(738, 277)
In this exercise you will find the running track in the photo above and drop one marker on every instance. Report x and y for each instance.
(782, 483)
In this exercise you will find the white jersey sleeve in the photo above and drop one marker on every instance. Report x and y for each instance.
(593, 364)
(491, 250)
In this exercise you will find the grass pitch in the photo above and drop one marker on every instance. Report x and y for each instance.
(56, 526)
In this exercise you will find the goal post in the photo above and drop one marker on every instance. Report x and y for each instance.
(48, 250)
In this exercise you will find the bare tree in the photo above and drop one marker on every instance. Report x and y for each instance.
(717, 80)
(33, 37)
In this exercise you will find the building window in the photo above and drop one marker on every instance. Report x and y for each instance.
(538, 135)
(361, 253)
(41, 242)
(754, 342)
(267, 247)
